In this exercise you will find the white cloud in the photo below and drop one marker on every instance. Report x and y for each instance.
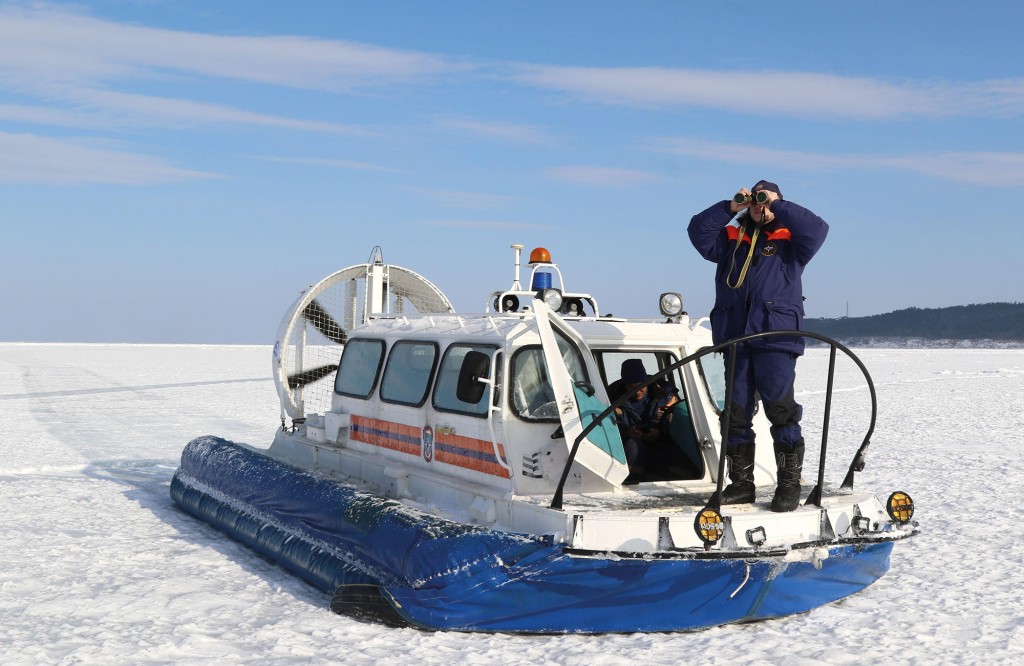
(327, 162)
(603, 176)
(85, 72)
(25, 158)
(41, 115)
(800, 94)
(92, 67)
(459, 199)
(502, 131)
(50, 51)
(483, 224)
(145, 110)
(978, 168)
(102, 110)
(736, 153)
(52, 45)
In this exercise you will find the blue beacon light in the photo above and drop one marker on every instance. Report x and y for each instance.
(541, 281)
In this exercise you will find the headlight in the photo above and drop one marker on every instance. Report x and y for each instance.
(671, 304)
(551, 297)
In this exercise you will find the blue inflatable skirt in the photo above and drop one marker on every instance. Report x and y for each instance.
(383, 559)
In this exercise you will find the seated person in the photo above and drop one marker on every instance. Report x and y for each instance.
(642, 418)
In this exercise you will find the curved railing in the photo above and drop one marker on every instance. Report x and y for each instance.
(856, 465)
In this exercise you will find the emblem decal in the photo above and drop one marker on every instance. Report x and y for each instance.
(769, 249)
(428, 444)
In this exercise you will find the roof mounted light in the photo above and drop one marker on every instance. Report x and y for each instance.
(541, 280)
(551, 297)
(671, 304)
(540, 255)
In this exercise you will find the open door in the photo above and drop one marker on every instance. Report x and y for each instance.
(570, 361)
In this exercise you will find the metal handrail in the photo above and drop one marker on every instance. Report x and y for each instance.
(856, 465)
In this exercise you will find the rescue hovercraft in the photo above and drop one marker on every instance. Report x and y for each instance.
(465, 472)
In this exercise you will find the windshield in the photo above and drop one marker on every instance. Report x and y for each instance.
(532, 396)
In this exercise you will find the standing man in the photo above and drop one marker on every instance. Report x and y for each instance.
(760, 259)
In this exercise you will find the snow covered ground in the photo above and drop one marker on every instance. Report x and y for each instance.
(98, 566)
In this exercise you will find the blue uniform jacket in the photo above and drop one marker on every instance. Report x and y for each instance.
(646, 412)
(771, 296)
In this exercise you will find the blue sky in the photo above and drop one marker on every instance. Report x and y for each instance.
(177, 171)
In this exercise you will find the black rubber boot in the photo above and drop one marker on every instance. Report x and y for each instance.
(741, 476)
(791, 463)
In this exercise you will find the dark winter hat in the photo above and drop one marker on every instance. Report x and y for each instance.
(765, 185)
(633, 371)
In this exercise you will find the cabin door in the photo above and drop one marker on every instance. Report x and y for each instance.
(573, 373)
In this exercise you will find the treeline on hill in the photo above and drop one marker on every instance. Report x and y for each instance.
(988, 321)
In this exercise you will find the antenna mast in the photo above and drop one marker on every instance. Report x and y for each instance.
(515, 282)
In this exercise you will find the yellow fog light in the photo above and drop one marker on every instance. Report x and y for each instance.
(900, 507)
(709, 526)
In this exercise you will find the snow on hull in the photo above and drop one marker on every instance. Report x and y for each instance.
(438, 574)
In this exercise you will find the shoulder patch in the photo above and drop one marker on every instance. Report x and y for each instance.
(734, 233)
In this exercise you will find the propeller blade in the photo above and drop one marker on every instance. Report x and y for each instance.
(324, 322)
(310, 376)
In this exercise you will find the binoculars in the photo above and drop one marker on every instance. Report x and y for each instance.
(759, 197)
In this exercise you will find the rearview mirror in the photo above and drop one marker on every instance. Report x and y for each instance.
(475, 366)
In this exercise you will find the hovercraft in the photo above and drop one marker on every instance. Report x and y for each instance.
(454, 471)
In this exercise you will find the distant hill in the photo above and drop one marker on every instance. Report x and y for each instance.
(983, 325)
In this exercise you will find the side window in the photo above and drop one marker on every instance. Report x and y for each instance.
(358, 368)
(407, 373)
(448, 379)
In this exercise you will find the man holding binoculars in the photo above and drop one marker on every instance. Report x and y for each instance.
(760, 258)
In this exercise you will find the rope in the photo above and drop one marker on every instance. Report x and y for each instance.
(746, 264)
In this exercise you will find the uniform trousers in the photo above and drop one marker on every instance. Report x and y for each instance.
(771, 375)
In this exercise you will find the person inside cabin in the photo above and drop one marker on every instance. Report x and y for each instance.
(760, 258)
(644, 418)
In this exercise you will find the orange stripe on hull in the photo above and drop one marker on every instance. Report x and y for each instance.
(465, 452)
(469, 453)
(387, 435)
